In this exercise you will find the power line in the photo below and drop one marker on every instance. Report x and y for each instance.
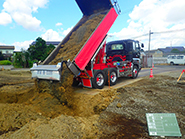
(161, 32)
(169, 31)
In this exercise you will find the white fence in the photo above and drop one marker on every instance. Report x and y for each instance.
(159, 60)
(6, 66)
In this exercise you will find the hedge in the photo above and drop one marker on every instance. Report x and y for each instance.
(5, 62)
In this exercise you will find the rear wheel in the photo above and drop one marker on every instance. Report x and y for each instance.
(112, 78)
(99, 79)
(135, 72)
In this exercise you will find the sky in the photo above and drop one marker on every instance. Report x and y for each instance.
(23, 21)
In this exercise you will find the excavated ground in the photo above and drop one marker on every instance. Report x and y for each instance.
(114, 113)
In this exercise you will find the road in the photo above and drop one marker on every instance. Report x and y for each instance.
(161, 69)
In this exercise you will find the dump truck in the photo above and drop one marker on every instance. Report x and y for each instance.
(96, 63)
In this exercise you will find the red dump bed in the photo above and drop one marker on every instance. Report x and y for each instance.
(92, 44)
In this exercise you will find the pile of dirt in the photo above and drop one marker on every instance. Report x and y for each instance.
(22, 107)
(112, 113)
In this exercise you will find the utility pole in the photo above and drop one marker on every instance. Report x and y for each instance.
(149, 41)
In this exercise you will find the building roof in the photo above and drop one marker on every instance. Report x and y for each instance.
(6, 47)
(169, 49)
(152, 51)
(48, 42)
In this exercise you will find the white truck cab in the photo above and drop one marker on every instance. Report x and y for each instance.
(176, 59)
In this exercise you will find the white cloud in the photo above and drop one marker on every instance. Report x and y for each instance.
(27, 21)
(21, 12)
(157, 15)
(59, 24)
(65, 32)
(24, 45)
(5, 18)
(51, 35)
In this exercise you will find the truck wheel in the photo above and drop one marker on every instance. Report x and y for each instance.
(135, 72)
(99, 79)
(112, 77)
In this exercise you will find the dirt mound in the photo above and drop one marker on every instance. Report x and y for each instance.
(60, 127)
(22, 106)
(112, 113)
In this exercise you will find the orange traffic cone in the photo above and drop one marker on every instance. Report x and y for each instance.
(152, 65)
(151, 73)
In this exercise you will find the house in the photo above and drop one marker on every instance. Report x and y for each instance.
(7, 51)
(167, 50)
(164, 52)
(55, 43)
(155, 53)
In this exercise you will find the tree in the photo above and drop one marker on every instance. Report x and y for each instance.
(18, 62)
(34, 53)
(50, 48)
(175, 51)
(40, 50)
(1, 56)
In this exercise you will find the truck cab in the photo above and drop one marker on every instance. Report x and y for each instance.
(128, 48)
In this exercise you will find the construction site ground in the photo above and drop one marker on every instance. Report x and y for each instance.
(113, 112)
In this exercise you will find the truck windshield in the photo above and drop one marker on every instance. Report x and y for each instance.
(117, 47)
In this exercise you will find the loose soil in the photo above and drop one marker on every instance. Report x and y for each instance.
(63, 91)
(114, 113)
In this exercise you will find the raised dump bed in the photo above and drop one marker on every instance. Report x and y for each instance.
(83, 40)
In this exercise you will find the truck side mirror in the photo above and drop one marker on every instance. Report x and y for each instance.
(142, 45)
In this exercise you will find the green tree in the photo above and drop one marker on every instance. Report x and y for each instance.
(50, 48)
(175, 51)
(40, 50)
(18, 62)
(34, 53)
(1, 56)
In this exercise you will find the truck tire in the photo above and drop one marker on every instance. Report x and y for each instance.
(134, 72)
(112, 77)
(99, 79)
